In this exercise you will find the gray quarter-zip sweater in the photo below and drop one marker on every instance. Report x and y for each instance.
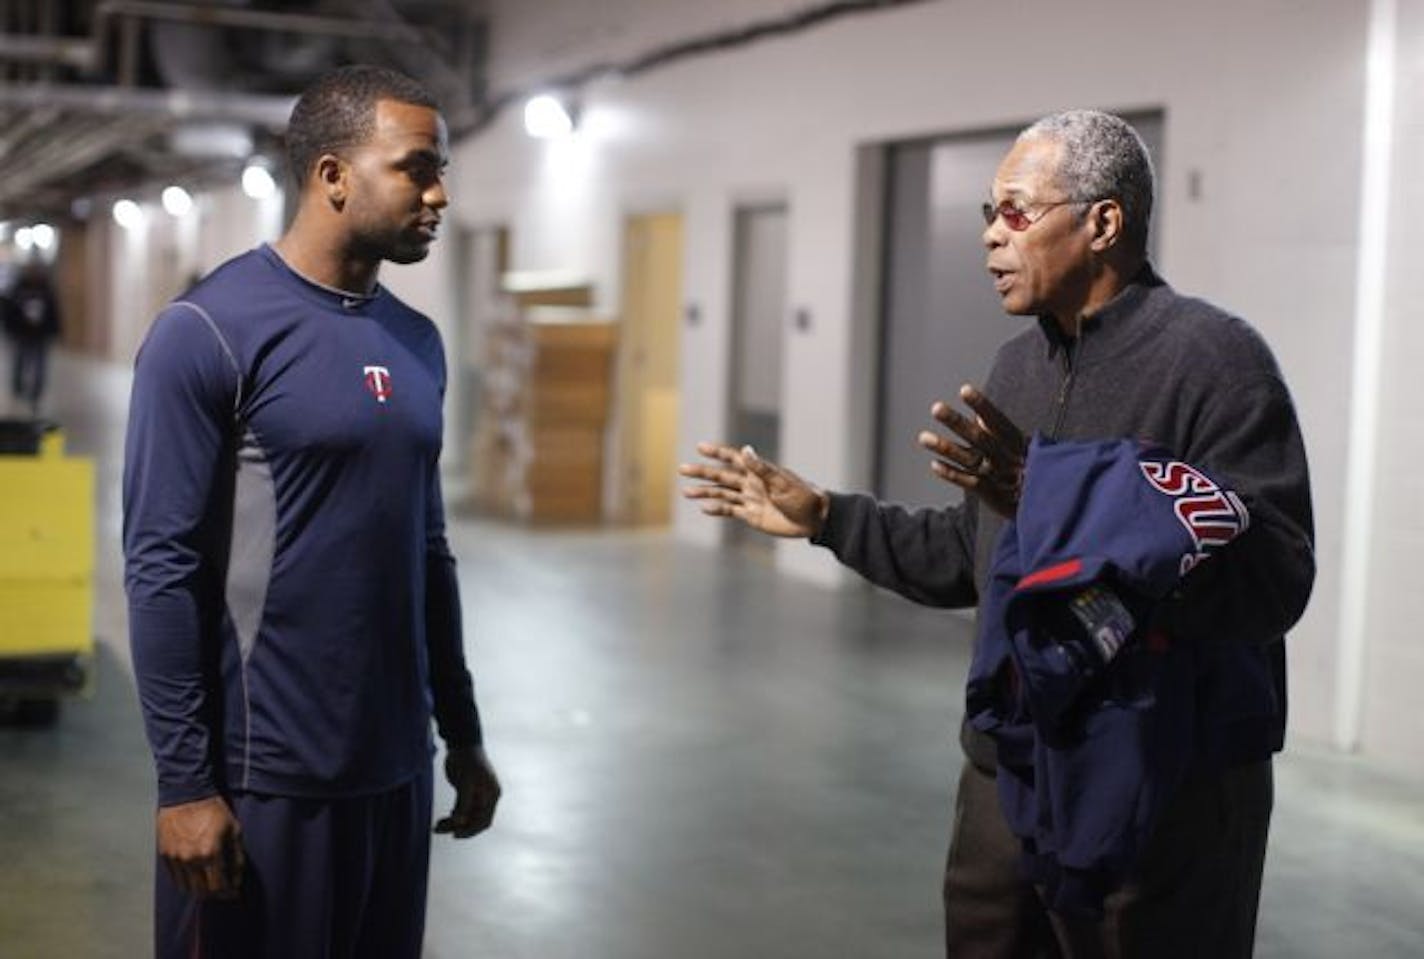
(1176, 371)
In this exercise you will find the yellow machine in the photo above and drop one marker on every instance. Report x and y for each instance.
(46, 570)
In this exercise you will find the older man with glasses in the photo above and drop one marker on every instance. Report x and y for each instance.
(1116, 354)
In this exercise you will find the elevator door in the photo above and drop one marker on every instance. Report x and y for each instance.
(758, 318)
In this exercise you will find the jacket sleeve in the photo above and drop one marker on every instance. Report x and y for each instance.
(926, 555)
(185, 390)
(1257, 587)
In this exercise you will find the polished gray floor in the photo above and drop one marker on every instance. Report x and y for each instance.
(700, 759)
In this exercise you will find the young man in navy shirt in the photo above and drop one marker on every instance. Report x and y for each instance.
(294, 613)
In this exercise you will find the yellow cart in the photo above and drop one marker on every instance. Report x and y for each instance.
(46, 571)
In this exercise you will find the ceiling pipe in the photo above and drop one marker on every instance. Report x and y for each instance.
(450, 87)
(88, 54)
(387, 32)
(66, 155)
(18, 130)
(80, 53)
(262, 110)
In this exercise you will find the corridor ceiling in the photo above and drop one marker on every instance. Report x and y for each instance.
(103, 96)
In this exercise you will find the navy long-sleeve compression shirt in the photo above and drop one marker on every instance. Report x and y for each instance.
(292, 603)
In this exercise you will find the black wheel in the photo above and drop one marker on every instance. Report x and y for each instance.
(33, 713)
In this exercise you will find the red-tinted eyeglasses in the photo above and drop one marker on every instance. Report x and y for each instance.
(1016, 219)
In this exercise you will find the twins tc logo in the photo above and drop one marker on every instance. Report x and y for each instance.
(378, 382)
(1212, 515)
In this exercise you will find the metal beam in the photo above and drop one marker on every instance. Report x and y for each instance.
(266, 111)
(70, 51)
(67, 152)
(262, 20)
(449, 85)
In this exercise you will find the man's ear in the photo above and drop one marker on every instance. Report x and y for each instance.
(332, 174)
(1106, 222)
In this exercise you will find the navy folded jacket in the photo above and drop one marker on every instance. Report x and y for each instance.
(1094, 711)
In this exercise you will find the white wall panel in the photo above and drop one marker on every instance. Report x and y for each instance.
(1392, 724)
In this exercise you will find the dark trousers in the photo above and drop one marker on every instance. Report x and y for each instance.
(1194, 894)
(28, 379)
(339, 878)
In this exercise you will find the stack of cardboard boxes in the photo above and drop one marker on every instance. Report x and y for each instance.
(543, 410)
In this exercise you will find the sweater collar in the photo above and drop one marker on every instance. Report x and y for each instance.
(1109, 324)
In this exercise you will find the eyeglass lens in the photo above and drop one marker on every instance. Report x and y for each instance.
(1014, 218)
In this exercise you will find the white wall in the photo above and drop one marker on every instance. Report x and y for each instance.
(136, 271)
(229, 222)
(430, 286)
(1392, 723)
(1263, 106)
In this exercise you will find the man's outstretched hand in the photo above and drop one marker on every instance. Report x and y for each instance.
(738, 483)
(987, 460)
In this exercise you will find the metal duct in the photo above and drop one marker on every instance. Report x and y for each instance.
(270, 112)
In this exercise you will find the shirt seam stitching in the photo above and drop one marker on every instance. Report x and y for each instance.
(223, 343)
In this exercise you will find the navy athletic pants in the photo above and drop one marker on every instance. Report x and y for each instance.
(328, 878)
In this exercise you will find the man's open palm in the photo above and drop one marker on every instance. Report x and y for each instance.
(740, 484)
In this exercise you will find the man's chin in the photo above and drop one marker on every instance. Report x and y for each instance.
(408, 253)
(1014, 306)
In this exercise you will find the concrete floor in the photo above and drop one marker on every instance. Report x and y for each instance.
(700, 759)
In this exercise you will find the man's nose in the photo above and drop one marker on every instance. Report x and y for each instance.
(435, 196)
(993, 236)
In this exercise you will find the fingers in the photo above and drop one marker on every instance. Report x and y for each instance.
(201, 846)
(720, 452)
(988, 431)
(722, 497)
(994, 419)
(236, 861)
(711, 474)
(717, 502)
(724, 510)
(967, 459)
(754, 464)
(472, 815)
(966, 428)
(176, 874)
(967, 480)
(477, 792)
(457, 824)
(731, 475)
(215, 876)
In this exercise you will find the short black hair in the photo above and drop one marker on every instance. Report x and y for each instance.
(339, 110)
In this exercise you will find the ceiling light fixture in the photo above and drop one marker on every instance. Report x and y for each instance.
(177, 201)
(546, 117)
(257, 182)
(127, 214)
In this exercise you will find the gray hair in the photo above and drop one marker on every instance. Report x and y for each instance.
(1103, 158)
